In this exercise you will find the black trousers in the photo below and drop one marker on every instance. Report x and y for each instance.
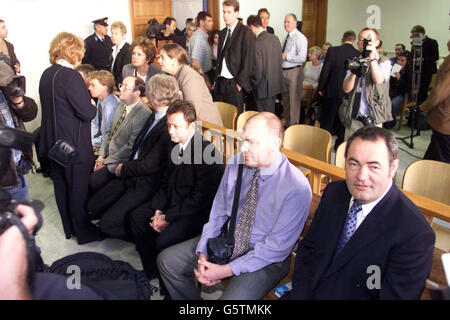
(99, 179)
(439, 148)
(425, 81)
(329, 119)
(150, 243)
(227, 91)
(267, 105)
(71, 192)
(113, 203)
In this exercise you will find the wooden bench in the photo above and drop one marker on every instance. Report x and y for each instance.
(228, 142)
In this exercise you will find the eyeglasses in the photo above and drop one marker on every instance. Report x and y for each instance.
(125, 88)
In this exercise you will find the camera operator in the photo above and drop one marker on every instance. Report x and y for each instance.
(15, 109)
(367, 87)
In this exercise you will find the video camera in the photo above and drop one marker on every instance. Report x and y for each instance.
(12, 85)
(154, 28)
(359, 65)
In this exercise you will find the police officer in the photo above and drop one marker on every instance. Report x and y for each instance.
(98, 46)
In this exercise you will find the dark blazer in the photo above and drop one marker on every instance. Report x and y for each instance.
(270, 30)
(130, 70)
(430, 54)
(394, 236)
(123, 58)
(267, 76)
(152, 161)
(98, 53)
(333, 70)
(74, 112)
(239, 54)
(189, 188)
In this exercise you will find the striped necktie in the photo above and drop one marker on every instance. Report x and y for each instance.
(116, 127)
(246, 220)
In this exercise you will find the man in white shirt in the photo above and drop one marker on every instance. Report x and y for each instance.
(198, 48)
(294, 50)
(234, 58)
(367, 239)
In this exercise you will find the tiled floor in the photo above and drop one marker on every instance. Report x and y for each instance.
(54, 245)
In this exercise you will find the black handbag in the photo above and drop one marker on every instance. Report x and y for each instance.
(62, 152)
(221, 248)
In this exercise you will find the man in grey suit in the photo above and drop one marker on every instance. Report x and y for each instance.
(267, 77)
(128, 120)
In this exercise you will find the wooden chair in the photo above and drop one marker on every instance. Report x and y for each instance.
(242, 119)
(311, 141)
(339, 160)
(428, 178)
(406, 105)
(307, 96)
(228, 112)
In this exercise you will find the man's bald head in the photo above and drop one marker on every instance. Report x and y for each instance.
(263, 139)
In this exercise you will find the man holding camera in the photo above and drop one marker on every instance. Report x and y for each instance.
(367, 86)
(15, 109)
(272, 207)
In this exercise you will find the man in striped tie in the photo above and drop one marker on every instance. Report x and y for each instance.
(367, 239)
(273, 205)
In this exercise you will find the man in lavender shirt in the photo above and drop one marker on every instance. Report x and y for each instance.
(282, 206)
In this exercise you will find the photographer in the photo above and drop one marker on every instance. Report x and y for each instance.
(15, 109)
(367, 86)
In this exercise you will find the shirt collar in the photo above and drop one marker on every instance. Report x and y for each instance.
(160, 114)
(368, 207)
(108, 98)
(262, 30)
(121, 44)
(293, 32)
(233, 26)
(270, 170)
(64, 63)
(99, 36)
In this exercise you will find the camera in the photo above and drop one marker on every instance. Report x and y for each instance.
(359, 65)
(12, 85)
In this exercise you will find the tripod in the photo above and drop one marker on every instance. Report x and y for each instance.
(415, 85)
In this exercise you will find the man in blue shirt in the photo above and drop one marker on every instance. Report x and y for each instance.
(281, 198)
(101, 86)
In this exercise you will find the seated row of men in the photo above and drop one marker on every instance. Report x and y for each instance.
(161, 194)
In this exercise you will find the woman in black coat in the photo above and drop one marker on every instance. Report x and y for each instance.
(62, 90)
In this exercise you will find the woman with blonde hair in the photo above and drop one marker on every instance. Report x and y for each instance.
(313, 68)
(66, 115)
(174, 61)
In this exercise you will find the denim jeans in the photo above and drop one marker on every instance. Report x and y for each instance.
(21, 191)
(396, 103)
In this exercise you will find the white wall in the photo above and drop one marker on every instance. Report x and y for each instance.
(32, 25)
(183, 9)
(397, 17)
(277, 9)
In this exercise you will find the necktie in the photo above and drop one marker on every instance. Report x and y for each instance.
(227, 41)
(99, 132)
(141, 137)
(124, 113)
(349, 226)
(180, 151)
(246, 220)
(285, 42)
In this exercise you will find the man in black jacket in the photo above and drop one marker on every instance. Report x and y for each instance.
(138, 179)
(330, 84)
(182, 205)
(235, 55)
(98, 46)
(367, 239)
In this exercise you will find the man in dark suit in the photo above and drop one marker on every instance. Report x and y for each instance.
(140, 177)
(430, 54)
(181, 206)
(264, 14)
(267, 77)
(330, 84)
(98, 46)
(367, 239)
(235, 56)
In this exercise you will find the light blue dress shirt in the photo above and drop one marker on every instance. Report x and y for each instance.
(296, 49)
(109, 105)
(284, 198)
